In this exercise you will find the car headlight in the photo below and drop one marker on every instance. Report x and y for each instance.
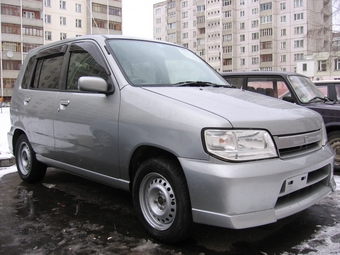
(239, 145)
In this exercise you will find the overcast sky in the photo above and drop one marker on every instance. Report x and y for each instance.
(138, 17)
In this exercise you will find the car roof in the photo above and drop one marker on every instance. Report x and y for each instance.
(260, 73)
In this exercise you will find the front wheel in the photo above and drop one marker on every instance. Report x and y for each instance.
(161, 200)
(29, 169)
(334, 142)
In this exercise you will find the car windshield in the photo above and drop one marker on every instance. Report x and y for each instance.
(147, 63)
(305, 89)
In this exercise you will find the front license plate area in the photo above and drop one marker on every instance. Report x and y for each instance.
(296, 183)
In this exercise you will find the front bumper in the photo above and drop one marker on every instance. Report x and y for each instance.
(248, 194)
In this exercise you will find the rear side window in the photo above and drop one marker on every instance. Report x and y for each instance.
(26, 80)
(273, 87)
(47, 73)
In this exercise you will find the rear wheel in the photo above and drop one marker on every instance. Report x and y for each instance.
(161, 200)
(29, 169)
(334, 141)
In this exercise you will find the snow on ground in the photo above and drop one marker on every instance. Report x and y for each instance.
(326, 233)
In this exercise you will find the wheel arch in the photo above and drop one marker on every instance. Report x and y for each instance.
(143, 153)
(16, 134)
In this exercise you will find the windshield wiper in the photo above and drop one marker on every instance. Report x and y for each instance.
(324, 99)
(199, 84)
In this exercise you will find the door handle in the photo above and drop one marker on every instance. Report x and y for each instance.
(27, 100)
(63, 104)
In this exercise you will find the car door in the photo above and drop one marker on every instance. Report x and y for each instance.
(39, 90)
(86, 123)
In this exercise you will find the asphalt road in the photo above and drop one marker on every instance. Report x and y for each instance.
(66, 214)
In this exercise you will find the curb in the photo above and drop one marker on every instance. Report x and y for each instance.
(6, 162)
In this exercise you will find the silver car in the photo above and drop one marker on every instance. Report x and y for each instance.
(153, 118)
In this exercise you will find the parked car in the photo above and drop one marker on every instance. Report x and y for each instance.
(330, 88)
(153, 118)
(298, 89)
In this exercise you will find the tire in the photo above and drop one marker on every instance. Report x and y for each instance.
(161, 200)
(334, 142)
(29, 169)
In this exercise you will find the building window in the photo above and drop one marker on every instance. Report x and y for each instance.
(48, 35)
(266, 6)
(184, 14)
(62, 5)
(298, 16)
(298, 3)
(283, 45)
(241, 2)
(158, 30)
(255, 11)
(227, 14)
(266, 19)
(242, 13)
(283, 19)
(283, 32)
(322, 65)
(115, 11)
(266, 58)
(227, 62)
(29, 15)
(298, 56)
(115, 25)
(254, 48)
(298, 44)
(62, 36)
(227, 49)
(29, 46)
(10, 28)
(242, 49)
(11, 46)
(11, 64)
(171, 4)
(254, 23)
(283, 6)
(226, 2)
(266, 32)
(78, 22)
(255, 36)
(158, 11)
(298, 30)
(185, 4)
(185, 24)
(242, 61)
(159, 21)
(266, 45)
(242, 38)
(337, 64)
(172, 25)
(304, 67)
(227, 37)
(33, 31)
(227, 26)
(283, 58)
(47, 3)
(78, 7)
(185, 35)
(200, 8)
(48, 19)
(185, 45)
(63, 21)
(254, 61)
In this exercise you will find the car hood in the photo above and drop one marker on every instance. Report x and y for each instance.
(245, 109)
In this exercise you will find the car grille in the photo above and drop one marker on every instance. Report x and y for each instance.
(297, 145)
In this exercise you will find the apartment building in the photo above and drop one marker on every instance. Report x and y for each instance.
(237, 35)
(27, 24)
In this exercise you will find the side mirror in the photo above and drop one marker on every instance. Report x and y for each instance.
(289, 99)
(93, 84)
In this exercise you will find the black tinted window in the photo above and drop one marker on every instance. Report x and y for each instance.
(47, 73)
